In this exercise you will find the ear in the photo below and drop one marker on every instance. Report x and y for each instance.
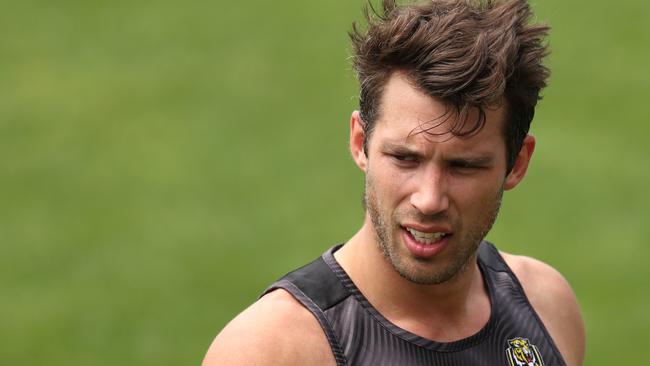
(356, 140)
(518, 171)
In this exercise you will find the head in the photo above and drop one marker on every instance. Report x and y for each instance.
(471, 54)
(448, 90)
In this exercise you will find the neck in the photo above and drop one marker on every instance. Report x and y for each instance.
(448, 311)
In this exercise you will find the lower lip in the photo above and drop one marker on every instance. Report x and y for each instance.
(424, 250)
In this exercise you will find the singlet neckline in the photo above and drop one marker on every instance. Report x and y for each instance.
(404, 334)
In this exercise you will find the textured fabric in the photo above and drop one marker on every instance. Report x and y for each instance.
(359, 335)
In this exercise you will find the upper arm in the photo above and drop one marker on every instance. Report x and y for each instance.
(554, 301)
(276, 330)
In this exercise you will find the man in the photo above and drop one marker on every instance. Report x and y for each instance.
(448, 91)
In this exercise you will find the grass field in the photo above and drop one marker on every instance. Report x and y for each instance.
(162, 162)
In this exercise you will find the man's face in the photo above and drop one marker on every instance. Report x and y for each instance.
(431, 197)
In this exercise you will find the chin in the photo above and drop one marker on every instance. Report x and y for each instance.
(433, 270)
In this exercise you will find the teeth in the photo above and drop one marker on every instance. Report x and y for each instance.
(425, 238)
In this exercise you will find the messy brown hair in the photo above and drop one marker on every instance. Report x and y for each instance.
(471, 54)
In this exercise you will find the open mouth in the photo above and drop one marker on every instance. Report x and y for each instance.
(425, 244)
(425, 237)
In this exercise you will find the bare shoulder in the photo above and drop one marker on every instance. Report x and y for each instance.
(555, 303)
(275, 330)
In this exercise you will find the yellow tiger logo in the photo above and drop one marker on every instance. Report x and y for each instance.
(522, 353)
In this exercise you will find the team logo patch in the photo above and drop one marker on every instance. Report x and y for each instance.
(522, 353)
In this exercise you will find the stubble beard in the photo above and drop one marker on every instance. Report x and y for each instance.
(465, 246)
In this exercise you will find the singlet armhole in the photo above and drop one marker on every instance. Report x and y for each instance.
(316, 299)
(495, 261)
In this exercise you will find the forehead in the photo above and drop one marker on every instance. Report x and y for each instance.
(408, 115)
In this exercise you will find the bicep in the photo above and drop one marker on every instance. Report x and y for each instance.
(276, 330)
(241, 343)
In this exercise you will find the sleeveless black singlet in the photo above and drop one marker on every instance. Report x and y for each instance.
(359, 335)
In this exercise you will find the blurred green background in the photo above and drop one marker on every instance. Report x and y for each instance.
(161, 162)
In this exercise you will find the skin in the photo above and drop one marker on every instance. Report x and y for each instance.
(432, 184)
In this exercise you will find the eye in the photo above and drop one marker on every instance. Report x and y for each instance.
(464, 166)
(403, 160)
(404, 157)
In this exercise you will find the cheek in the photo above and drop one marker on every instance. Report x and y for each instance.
(389, 185)
(473, 195)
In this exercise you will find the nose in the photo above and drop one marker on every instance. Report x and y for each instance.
(430, 196)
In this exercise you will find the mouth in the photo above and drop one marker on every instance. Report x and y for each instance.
(425, 243)
(425, 237)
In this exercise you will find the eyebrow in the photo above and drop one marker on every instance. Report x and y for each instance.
(387, 145)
